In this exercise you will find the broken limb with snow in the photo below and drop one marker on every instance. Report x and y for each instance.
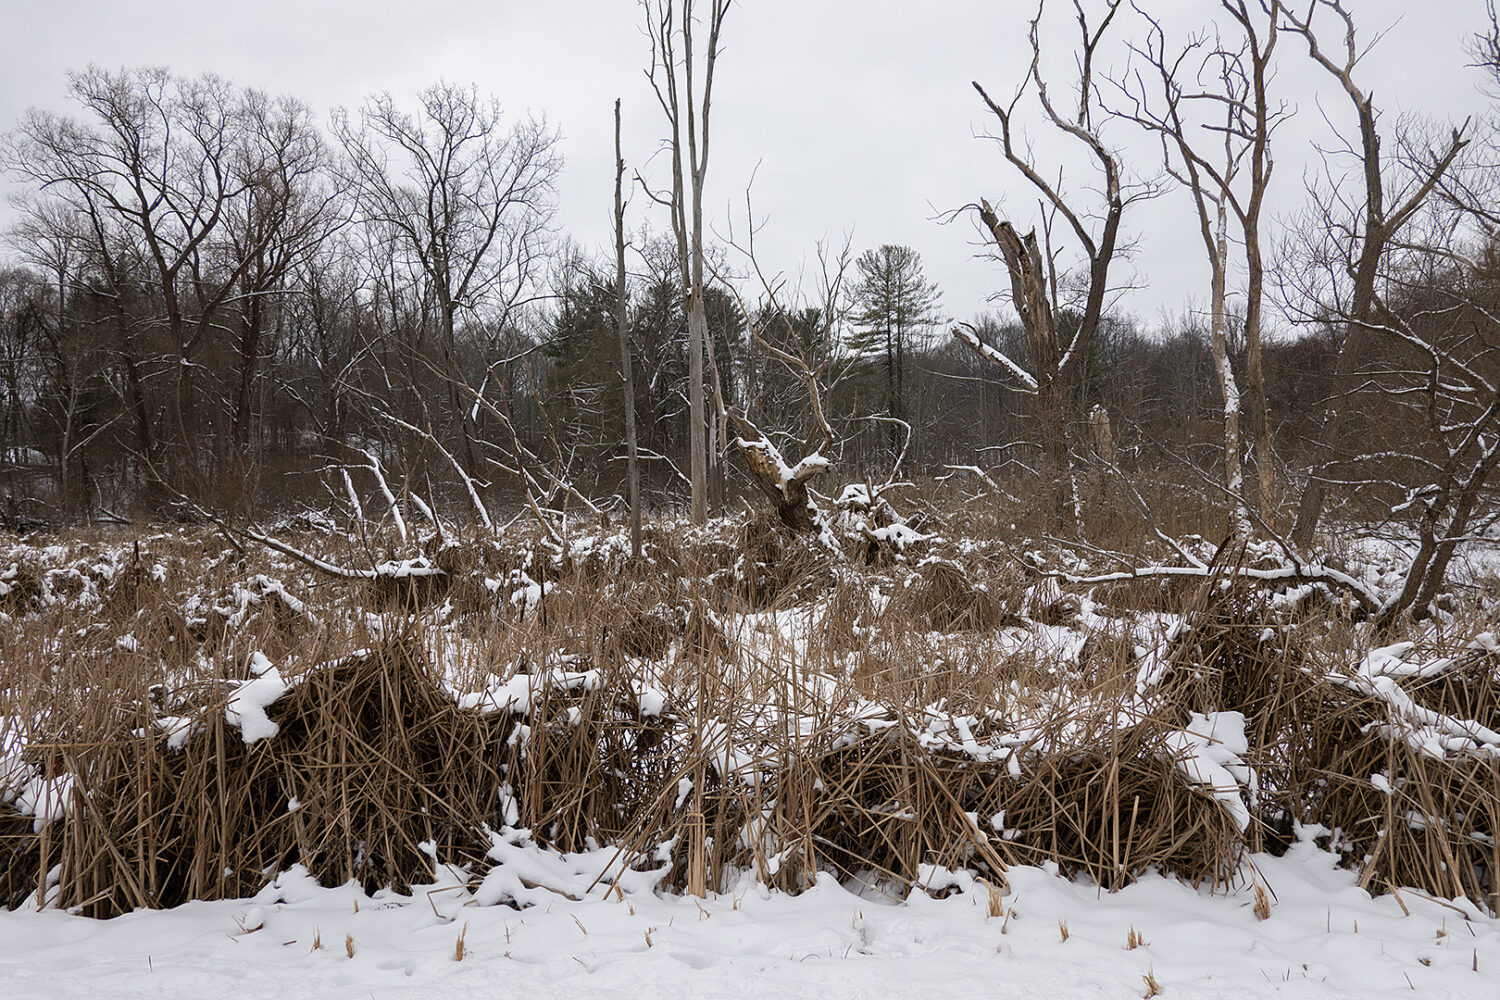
(786, 485)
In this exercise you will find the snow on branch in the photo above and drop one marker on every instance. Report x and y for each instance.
(1426, 731)
(479, 509)
(395, 569)
(1296, 570)
(785, 484)
(966, 333)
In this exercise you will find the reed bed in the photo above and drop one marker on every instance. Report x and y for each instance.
(732, 703)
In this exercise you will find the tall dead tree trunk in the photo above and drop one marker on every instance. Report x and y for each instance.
(1055, 367)
(670, 25)
(1374, 234)
(1211, 185)
(622, 326)
(1029, 294)
(1240, 91)
(1229, 391)
(1255, 119)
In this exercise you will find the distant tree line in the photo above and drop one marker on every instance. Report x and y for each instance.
(214, 300)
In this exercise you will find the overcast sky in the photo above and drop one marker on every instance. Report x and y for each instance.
(853, 116)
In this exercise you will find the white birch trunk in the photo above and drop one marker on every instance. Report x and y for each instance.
(1229, 390)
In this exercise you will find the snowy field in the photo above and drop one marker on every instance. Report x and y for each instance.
(860, 658)
(1323, 937)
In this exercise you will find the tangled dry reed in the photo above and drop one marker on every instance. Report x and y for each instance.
(732, 704)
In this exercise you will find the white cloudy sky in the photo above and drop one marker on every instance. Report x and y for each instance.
(853, 116)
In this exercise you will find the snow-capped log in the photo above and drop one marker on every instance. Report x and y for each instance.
(1227, 563)
(402, 571)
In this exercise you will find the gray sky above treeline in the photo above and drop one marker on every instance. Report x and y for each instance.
(852, 116)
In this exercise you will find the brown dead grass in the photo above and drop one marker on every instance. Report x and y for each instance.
(379, 758)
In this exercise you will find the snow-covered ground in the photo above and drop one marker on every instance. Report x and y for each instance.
(1324, 937)
(1297, 926)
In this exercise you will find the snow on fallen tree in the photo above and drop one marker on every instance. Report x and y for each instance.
(1424, 730)
(1273, 565)
(786, 485)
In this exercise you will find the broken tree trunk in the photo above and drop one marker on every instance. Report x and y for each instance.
(786, 485)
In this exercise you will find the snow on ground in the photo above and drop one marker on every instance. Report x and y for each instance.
(1324, 937)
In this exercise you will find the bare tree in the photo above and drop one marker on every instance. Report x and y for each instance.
(1413, 291)
(153, 173)
(1207, 74)
(284, 216)
(327, 337)
(1054, 365)
(1433, 339)
(1353, 238)
(622, 325)
(52, 238)
(1485, 48)
(1253, 118)
(468, 206)
(23, 363)
(670, 24)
